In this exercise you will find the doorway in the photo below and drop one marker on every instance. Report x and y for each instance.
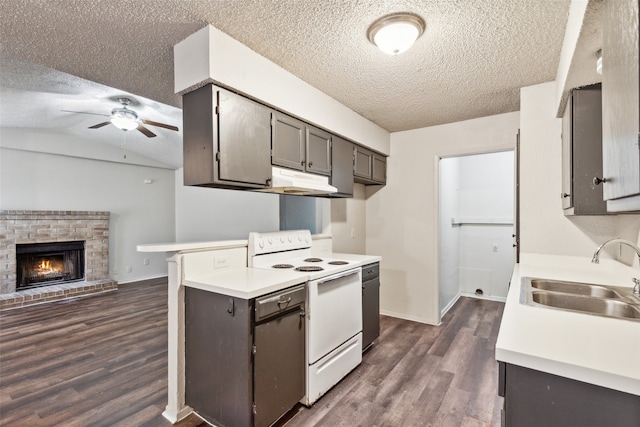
(476, 217)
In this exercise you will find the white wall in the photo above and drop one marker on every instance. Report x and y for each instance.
(205, 214)
(348, 222)
(402, 217)
(140, 213)
(543, 227)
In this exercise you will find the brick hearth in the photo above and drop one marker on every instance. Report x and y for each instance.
(18, 227)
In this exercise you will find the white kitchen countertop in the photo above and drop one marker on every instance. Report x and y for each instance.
(362, 259)
(245, 282)
(593, 349)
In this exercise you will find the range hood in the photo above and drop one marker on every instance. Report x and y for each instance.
(288, 181)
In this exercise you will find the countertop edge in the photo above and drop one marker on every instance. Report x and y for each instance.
(535, 339)
(189, 246)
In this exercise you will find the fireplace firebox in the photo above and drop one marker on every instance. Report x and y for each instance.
(43, 264)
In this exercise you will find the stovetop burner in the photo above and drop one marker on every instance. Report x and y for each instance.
(313, 260)
(338, 262)
(309, 268)
(282, 266)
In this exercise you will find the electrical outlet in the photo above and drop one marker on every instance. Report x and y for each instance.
(146, 261)
(129, 269)
(220, 262)
(494, 247)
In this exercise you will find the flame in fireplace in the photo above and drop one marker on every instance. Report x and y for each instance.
(45, 267)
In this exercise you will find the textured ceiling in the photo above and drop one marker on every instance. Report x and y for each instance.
(471, 62)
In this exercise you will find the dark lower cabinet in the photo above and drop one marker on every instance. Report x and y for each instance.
(370, 304)
(279, 359)
(218, 359)
(534, 398)
(244, 359)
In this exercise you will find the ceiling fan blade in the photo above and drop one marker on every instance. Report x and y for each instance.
(99, 125)
(146, 131)
(84, 112)
(162, 125)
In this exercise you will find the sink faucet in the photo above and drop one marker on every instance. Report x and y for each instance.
(596, 258)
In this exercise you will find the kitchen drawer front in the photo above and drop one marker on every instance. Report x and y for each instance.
(370, 271)
(280, 302)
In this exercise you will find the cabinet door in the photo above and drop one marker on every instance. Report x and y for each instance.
(363, 162)
(318, 151)
(218, 374)
(379, 168)
(370, 311)
(567, 191)
(279, 366)
(288, 142)
(582, 152)
(621, 112)
(244, 144)
(342, 166)
(586, 152)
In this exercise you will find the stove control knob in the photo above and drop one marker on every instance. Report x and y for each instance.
(290, 239)
(261, 243)
(282, 239)
(300, 238)
(270, 240)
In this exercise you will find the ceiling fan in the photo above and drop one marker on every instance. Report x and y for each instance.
(126, 119)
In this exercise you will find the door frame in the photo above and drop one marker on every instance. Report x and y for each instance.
(438, 219)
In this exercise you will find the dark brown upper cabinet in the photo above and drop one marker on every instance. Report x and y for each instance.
(299, 146)
(226, 140)
(318, 151)
(369, 166)
(342, 167)
(582, 152)
(620, 105)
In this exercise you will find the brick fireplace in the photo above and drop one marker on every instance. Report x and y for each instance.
(25, 228)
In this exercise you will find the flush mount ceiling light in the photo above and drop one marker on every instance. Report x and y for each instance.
(395, 33)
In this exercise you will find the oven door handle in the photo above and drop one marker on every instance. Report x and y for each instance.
(331, 279)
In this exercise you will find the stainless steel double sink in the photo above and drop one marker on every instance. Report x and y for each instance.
(599, 300)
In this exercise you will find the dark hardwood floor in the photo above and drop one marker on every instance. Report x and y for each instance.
(421, 375)
(101, 361)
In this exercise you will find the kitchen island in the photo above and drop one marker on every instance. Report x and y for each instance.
(220, 268)
(580, 350)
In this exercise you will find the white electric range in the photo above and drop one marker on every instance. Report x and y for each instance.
(333, 304)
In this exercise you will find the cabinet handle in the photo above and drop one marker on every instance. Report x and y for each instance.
(285, 302)
(598, 181)
(310, 164)
(267, 182)
(302, 163)
(565, 195)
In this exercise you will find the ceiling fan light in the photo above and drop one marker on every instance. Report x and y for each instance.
(124, 123)
(395, 34)
(123, 118)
